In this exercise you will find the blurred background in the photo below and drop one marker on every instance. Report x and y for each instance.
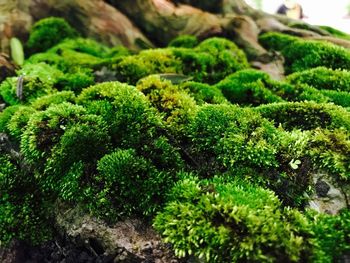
(334, 13)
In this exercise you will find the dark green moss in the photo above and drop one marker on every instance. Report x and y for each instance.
(48, 32)
(306, 115)
(186, 41)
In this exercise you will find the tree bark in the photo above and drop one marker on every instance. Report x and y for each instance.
(92, 18)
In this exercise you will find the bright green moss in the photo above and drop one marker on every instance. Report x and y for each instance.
(186, 41)
(323, 78)
(276, 41)
(210, 61)
(331, 236)
(23, 213)
(44, 102)
(330, 150)
(76, 79)
(38, 80)
(204, 93)
(228, 58)
(127, 111)
(230, 222)
(341, 98)
(82, 45)
(219, 133)
(306, 115)
(335, 32)
(132, 68)
(19, 120)
(249, 87)
(83, 141)
(175, 105)
(45, 128)
(306, 54)
(51, 59)
(48, 32)
(5, 117)
(129, 185)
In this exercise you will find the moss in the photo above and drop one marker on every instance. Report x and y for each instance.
(323, 78)
(335, 32)
(210, 61)
(48, 32)
(45, 128)
(83, 141)
(19, 120)
(187, 41)
(276, 41)
(24, 215)
(38, 80)
(5, 117)
(248, 87)
(306, 115)
(129, 185)
(204, 93)
(230, 222)
(82, 45)
(228, 57)
(76, 80)
(127, 111)
(44, 102)
(329, 150)
(132, 68)
(175, 105)
(341, 98)
(331, 236)
(218, 134)
(306, 54)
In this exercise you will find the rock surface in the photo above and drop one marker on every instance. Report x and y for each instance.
(328, 197)
(126, 241)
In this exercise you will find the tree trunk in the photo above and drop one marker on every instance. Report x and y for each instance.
(139, 23)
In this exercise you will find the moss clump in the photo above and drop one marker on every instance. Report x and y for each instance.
(38, 80)
(249, 87)
(210, 61)
(331, 236)
(306, 115)
(204, 93)
(218, 134)
(186, 41)
(175, 105)
(45, 129)
(129, 184)
(330, 150)
(19, 120)
(24, 213)
(276, 41)
(6, 115)
(44, 102)
(82, 45)
(302, 55)
(132, 68)
(323, 78)
(48, 32)
(230, 222)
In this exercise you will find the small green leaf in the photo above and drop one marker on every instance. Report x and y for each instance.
(17, 53)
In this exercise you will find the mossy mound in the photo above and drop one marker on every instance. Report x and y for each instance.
(48, 32)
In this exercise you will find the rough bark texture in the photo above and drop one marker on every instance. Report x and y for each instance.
(93, 18)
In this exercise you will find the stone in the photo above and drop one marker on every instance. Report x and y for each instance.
(328, 196)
